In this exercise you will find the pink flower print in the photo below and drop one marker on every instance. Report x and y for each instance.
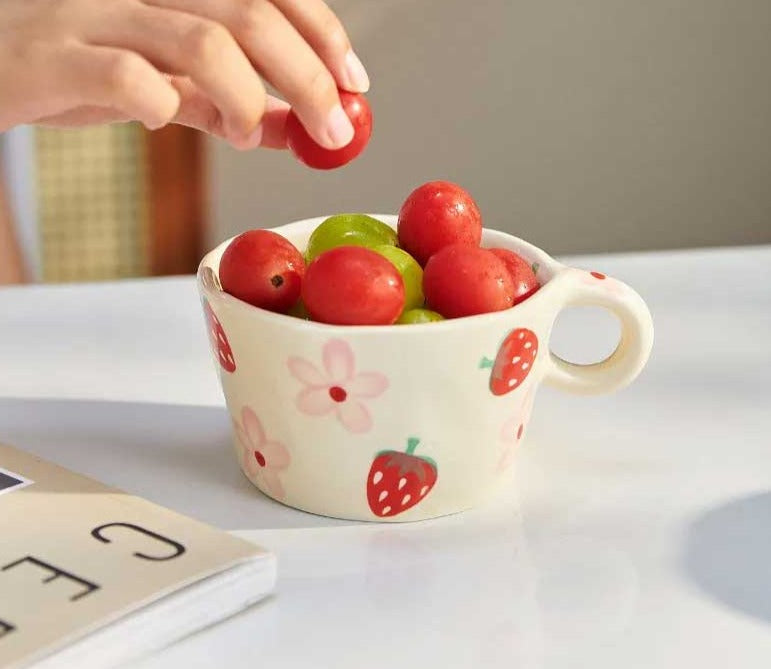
(262, 460)
(338, 388)
(513, 430)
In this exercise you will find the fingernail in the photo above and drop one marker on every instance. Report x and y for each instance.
(250, 141)
(339, 128)
(357, 75)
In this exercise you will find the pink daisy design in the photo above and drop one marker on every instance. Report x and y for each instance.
(262, 459)
(338, 388)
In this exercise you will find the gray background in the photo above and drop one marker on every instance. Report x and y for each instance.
(580, 126)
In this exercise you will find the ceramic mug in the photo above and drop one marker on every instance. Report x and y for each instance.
(403, 422)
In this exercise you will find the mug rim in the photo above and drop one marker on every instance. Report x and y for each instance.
(250, 311)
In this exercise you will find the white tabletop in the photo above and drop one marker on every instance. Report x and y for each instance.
(635, 531)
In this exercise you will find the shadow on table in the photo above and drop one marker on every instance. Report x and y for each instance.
(176, 455)
(728, 554)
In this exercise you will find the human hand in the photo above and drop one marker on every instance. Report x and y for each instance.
(199, 63)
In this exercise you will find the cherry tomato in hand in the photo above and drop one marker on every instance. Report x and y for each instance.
(525, 283)
(307, 151)
(462, 280)
(353, 285)
(264, 269)
(435, 215)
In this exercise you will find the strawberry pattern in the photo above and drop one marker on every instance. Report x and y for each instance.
(514, 361)
(219, 340)
(397, 480)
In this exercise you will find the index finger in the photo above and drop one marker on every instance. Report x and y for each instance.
(324, 32)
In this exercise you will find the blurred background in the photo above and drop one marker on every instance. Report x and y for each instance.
(604, 125)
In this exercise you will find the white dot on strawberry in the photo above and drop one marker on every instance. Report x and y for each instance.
(402, 482)
(406, 499)
(382, 496)
(521, 335)
(525, 366)
(527, 344)
(515, 360)
(423, 490)
(385, 510)
(378, 476)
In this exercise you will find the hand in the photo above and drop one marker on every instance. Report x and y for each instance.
(195, 62)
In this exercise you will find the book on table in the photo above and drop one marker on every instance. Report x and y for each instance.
(92, 576)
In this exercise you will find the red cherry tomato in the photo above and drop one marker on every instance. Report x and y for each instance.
(463, 280)
(435, 215)
(264, 269)
(353, 285)
(305, 149)
(525, 283)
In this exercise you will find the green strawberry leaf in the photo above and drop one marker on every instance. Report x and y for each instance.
(486, 363)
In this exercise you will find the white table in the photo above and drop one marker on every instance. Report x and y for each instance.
(635, 533)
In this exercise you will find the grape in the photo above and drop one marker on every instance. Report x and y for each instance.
(299, 311)
(412, 274)
(417, 316)
(348, 230)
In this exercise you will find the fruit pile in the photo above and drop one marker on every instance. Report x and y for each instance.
(357, 270)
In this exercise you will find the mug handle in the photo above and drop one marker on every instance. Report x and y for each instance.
(620, 368)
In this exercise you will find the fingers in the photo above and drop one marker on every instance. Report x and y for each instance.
(116, 79)
(202, 49)
(197, 111)
(83, 116)
(283, 57)
(321, 28)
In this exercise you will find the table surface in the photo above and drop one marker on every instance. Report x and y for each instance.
(635, 532)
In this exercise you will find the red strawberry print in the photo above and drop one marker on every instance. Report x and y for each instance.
(398, 481)
(514, 361)
(219, 340)
(598, 275)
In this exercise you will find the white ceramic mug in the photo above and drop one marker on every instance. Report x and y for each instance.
(403, 422)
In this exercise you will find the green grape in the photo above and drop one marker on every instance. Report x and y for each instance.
(417, 316)
(411, 272)
(349, 230)
(299, 311)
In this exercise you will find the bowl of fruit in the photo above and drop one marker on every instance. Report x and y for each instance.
(384, 367)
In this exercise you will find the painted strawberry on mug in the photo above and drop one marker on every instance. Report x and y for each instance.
(219, 340)
(514, 361)
(398, 481)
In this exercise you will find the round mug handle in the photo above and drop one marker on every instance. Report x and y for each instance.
(620, 368)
